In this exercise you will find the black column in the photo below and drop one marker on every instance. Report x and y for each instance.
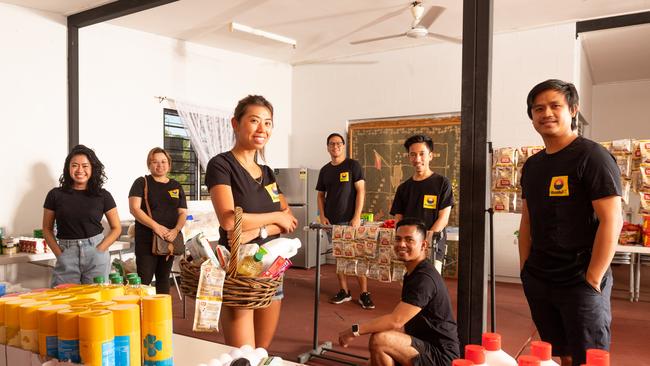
(477, 45)
(73, 86)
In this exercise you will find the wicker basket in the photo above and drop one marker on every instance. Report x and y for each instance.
(239, 292)
(246, 292)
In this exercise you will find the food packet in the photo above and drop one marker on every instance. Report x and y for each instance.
(626, 185)
(384, 273)
(348, 233)
(361, 232)
(504, 177)
(371, 248)
(386, 237)
(360, 247)
(505, 156)
(644, 151)
(351, 267)
(645, 177)
(515, 202)
(247, 250)
(624, 163)
(349, 249)
(623, 146)
(362, 268)
(644, 207)
(372, 233)
(399, 270)
(525, 152)
(337, 232)
(337, 248)
(209, 297)
(373, 270)
(385, 255)
(340, 265)
(501, 201)
(607, 145)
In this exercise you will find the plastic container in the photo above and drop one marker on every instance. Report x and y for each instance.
(280, 247)
(102, 305)
(82, 302)
(67, 321)
(543, 351)
(111, 291)
(476, 354)
(494, 355)
(3, 327)
(48, 339)
(93, 292)
(133, 288)
(528, 360)
(28, 318)
(96, 338)
(462, 362)
(251, 266)
(597, 357)
(127, 299)
(157, 327)
(126, 327)
(12, 320)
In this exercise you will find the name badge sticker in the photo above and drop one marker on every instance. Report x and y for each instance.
(430, 201)
(344, 177)
(272, 189)
(174, 193)
(559, 186)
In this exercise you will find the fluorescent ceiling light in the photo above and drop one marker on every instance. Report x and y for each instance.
(276, 37)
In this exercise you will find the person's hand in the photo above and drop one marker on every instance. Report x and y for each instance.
(56, 251)
(160, 230)
(324, 220)
(246, 236)
(102, 248)
(594, 283)
(171, 235)
(286, 221)
(345, 337)
(355, 222)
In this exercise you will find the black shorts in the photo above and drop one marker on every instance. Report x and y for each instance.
(430, 355)
(572, 318)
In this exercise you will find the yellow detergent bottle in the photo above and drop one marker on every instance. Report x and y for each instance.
(68, 326)
(12, 320)
(28, 318)
(48, 339)
(157, 327)
(127, 334)
(3, 326)
(96, 338)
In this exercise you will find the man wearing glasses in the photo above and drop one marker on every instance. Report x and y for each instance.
(341, 193)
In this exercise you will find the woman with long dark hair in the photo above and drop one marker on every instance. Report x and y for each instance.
(166, 219)
(235, 178)
(77, 206)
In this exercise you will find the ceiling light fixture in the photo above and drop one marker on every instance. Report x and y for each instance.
(276, 37)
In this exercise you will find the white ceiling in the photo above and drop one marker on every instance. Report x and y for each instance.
(323, 29)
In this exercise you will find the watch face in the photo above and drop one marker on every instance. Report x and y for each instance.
(355, 328)
(263, 232)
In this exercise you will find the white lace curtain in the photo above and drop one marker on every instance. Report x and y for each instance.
(209, 129)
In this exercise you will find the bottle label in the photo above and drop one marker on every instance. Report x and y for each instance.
(108, 353)
(69, 350)
(122, 350)
(52, 346)
(167, 362)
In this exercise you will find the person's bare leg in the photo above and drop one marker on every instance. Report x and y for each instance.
(363, 283)
(343, 282)
(389, 347)
(237, 326)
(266, 321)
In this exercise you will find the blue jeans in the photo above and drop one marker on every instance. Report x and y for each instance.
(80, 261)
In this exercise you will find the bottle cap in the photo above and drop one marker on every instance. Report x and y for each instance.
(113, 275)
(130, 275)
(541, 349)
(491, 341)
(475, 353)
(597, 357)
(462, 362)
(189, 217)
(99, 279)
(528, 360)
(135, 281)
(117, 280)
(258, 257)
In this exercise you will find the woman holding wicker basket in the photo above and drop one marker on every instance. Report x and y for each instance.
(235, 178)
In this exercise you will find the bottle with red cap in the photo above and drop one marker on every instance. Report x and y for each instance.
(494, 355)
(528, 360)
(597, 357)
(543, 351)
(476, 354)
(462, 362)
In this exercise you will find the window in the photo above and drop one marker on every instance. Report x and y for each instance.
(185, 166)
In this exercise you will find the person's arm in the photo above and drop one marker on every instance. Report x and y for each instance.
(48, 231)
(360, 187)
(134, 207)
(321, 209)
(402, 313)
(442, 220)
(398, 217)
(524, 235)
(116, 229)
(608, 211)
(180, 222)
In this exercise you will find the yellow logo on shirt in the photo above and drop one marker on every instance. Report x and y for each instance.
(174, 193)
(273, 191)
(344, 177)
(430, 201)
(559, 186)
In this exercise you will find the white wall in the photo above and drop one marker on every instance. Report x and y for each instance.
(33, 91)
(585, 88)
(122, 70)
(620, 110)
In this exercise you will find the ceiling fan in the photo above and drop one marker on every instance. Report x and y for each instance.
(420, 26)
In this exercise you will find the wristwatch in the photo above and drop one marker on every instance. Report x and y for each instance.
(263, 232)
(355, 330)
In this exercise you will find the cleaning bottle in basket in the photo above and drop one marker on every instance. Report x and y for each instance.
(251, 266)
(280, 247)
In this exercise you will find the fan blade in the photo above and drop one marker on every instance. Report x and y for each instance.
(430, 16)
(378, 38)
(445, 38)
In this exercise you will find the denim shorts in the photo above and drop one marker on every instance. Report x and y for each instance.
(279, 294)
(80, 261)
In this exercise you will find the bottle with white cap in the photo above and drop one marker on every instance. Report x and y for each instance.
(476, 354)
(494, 355)
(543, 351)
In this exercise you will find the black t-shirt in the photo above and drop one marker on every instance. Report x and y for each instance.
(164, 199)
(558, 189)
(337, 181)
(249, 194)
(78, 214)
(435, 324)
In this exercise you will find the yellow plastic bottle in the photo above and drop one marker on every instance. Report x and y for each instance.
(68, 327)
(3, 326)
(127, 334)
(157, 330)
(28, 318)
(96, 338)
(48, 339)
(101, 305)
(12, 320)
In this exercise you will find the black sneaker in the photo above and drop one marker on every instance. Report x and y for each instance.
(341, 297)
(365, 301)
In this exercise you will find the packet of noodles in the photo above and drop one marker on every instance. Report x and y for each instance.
(501, 201)
(209, 297)
(504, 177)
(644, 207)
(384, 273)
(337, 248)
(505, 156)
(277, 268)
(399, 270)
(373, 270)
(351, 267)
(624, 163)
(348, 232)
(623, 146)
(644, 151)
(386, 237)
(626, 185)
(645, 177)
(361, 232)
(337, 232)
(340, 265)
(362, 268)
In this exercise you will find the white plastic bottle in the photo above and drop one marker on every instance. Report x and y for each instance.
(494, 355)
(543, 351)
(280, 247)
(476, 354)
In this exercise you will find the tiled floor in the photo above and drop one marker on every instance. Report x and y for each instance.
(630, 325)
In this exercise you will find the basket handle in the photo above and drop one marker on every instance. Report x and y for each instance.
(236, 240)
